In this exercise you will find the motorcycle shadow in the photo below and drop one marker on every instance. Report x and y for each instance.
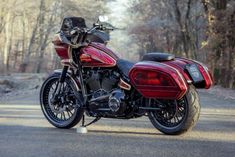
(134, 133)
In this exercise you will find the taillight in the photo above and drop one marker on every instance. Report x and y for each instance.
(142, 77)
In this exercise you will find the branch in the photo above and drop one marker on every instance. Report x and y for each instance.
(177, 13)
(188, 9)
(205, 6)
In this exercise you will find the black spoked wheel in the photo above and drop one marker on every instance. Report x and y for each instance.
(172, 114)
(62, 109)
(176, 116)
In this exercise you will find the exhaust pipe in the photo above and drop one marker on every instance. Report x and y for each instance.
(100, 98)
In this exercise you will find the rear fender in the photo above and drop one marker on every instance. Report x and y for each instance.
(181, 64)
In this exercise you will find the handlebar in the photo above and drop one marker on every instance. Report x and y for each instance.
(96, 26)
(79, 35)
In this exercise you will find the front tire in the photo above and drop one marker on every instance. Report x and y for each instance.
(179, 116)
(66, 111)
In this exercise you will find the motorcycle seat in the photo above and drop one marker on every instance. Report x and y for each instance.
(158, 57)
(124, 66)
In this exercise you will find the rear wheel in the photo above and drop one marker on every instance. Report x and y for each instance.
(61, 110)
(176, 116)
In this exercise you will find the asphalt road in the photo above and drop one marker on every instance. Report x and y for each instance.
(24, 132)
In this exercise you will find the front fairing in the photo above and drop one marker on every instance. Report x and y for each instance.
(98, 37)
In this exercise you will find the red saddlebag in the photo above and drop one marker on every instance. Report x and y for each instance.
(158, 80)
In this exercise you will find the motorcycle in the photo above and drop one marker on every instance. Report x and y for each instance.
(97, 83)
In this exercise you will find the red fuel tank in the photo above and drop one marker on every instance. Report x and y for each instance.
(96, 55)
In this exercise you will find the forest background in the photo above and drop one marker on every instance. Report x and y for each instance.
(196, 29)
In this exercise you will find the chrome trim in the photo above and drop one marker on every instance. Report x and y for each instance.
(70, 52)
(181, 76)
(126, 88)
(189, 81)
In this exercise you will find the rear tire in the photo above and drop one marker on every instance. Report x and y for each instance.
(190, 114)
(61, 115)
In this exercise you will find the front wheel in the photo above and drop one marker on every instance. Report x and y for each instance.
(62, 109)
(176, 116)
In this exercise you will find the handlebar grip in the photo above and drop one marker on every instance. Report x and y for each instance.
(110, 29)
(75, 31)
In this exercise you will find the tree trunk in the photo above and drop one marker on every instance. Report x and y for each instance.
(32, 39)
(24, 39)
(184, 30)
(16, 54)
(230, 74)
(8, 41)
(44, 38)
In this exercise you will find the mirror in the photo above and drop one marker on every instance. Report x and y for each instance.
(67, 24)
(103, 18)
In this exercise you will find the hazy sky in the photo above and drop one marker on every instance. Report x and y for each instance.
(119, 12)
(121, 41)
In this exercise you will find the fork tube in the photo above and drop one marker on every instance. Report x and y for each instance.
(83, 88)
(62, 79)
(63, 75)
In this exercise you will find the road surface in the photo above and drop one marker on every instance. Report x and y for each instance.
(24, 132)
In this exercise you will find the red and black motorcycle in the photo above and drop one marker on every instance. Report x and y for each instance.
(96, 82)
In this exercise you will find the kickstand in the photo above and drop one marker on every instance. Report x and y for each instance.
(83, 120)
(95, 120)
(82, 129)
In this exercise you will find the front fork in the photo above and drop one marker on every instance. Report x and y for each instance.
(61, 81)
(82, 86)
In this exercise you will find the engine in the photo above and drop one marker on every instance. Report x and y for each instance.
(106, 99)
(102, 79)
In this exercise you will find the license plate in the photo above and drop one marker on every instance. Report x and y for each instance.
(194, 73)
